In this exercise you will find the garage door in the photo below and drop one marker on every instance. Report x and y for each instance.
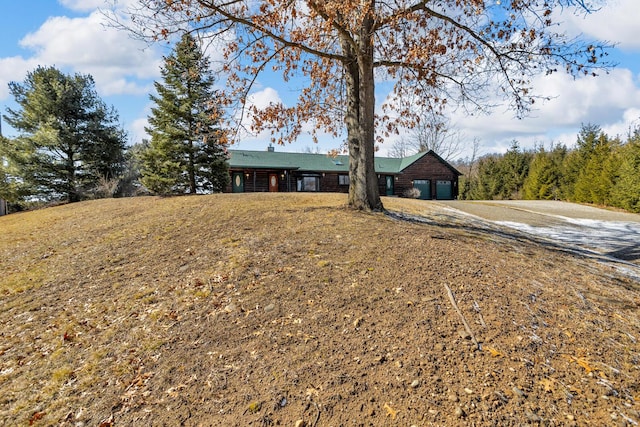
(424, 185)
(444, 190)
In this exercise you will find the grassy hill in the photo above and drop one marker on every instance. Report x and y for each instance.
(291, 310)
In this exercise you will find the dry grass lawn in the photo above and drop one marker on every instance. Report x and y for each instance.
(274, 309)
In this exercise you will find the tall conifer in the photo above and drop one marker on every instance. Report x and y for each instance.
(187, 150)
(626, 191)
(69, 139)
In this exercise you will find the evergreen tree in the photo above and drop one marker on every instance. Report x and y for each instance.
(514, 167)
(500, 176)
(69, 138)
(545, 174)
(187, 151)
(535, 185)
(577, 160)
(12, 190)
(598, 167)
(489, 181)
(626, 191)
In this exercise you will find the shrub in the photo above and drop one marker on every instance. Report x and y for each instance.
(411, 193)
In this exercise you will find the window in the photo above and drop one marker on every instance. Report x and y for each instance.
(343, 179)
(309, 183)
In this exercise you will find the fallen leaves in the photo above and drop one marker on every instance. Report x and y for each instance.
(584, 363)
(547, 384)
(175, 391)
(36, 417)
(390, 411)
(494, 352)
(254, 407)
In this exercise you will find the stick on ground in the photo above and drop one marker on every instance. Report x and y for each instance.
(464, 321)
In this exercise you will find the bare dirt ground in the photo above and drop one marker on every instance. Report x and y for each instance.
(290, 310)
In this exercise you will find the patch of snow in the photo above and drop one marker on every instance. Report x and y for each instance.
(602, 236)
(614, 240)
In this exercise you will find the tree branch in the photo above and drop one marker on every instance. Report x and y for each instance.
(263, 30)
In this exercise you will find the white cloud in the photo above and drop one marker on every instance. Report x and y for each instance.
(136, 131)
(13, 69)
(82, 5)
(630, 120)
(213, 46)
(616, 21)
(87, 45)
(260, 99)
(609, 100)
(264, 98)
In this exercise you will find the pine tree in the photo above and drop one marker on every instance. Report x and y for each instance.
(12, 188)
(626, 190)
(576, 161)
(598, 167)
(489, 181)
(535, 186)
(545, 174)
(187, 151)
(514, 167)
(69, 139)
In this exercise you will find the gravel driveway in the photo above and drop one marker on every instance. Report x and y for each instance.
(605, 232)
(537, 212)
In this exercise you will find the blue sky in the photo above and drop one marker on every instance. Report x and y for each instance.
(71, 35)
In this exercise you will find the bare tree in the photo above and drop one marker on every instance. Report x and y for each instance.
(467, 166)
(437, 52)
(311, 149)
(401, 148)
(434, 132)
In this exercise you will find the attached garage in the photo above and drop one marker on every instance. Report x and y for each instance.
(424, 185)
(444, 190)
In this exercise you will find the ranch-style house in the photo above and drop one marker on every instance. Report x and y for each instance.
(262, 171)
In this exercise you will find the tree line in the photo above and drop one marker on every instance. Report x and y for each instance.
(600, 170)
(71, 147)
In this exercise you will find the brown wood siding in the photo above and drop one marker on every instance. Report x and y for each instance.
(257, 181)
(427, 167)
(330, 183)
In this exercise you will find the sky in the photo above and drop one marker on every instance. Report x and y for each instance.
(72, 35)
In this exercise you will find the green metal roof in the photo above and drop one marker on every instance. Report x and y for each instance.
(305, 162)
(290, 161)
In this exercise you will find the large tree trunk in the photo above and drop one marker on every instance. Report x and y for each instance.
(364, 193)
(191, 167)
(71, 184)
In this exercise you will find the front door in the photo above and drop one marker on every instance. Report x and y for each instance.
(389, 185)
(237, 182)
(273, 182)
